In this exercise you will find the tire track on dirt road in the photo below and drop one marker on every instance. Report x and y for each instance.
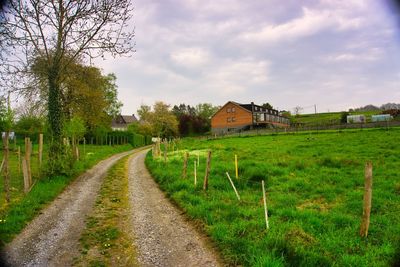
(52, 238)
(162, 236)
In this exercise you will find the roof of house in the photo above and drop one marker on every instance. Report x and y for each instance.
(129, 118)
(123, 120)
(249, 106)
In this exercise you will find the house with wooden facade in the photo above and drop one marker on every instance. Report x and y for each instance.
(235, 117)
(121, 122)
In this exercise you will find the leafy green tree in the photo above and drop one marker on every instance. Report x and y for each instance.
(111, 95)
(6, 124)
(144, 112)
(85, 93)
(206, 110)
(75, 128)
(343, 117)
(61, 32)
(30, 125)
(160, 121)
(6, 116)
(164, 122)
(267, 106)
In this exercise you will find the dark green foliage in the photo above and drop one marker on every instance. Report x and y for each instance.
(343, 117)
(30, 126)
(102, 137)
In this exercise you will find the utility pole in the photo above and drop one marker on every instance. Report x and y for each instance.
(315, 108)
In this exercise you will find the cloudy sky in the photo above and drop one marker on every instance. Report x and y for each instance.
(335, 54)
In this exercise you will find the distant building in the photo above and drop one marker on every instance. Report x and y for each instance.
(121, 122)
(381, 117)
(234, 117)
(356, 119)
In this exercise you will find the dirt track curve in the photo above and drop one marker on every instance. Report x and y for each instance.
(162, 236)
(52, 238)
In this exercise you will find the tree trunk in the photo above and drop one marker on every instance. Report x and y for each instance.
(6, 167)
(55, 121)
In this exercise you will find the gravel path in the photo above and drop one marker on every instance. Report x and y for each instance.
(162, 236)
(52, 238)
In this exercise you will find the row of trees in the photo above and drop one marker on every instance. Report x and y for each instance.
(387, 106)
(183, 120)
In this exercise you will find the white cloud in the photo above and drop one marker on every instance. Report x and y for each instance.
(311, 22)
(371, 54)
(190, 57)
(192, 51)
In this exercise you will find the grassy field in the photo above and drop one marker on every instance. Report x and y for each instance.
(105, 241)
(330, 118)
(315, 185)
(23, 208)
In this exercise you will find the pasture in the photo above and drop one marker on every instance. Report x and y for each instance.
(315, 187)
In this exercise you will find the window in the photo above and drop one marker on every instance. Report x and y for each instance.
(228, 110)
(229, 119)
(233, 110)
(233, 119)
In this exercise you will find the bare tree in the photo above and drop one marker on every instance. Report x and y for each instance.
(60, 31)
(297, 110)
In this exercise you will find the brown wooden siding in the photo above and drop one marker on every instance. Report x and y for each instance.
(237, 116)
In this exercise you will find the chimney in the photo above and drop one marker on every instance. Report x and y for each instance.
(252, 107)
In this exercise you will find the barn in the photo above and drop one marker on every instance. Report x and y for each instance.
(233, 117)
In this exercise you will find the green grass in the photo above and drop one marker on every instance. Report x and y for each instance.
(329, 118)
(105, 241)
(23, 208)
(315, 185)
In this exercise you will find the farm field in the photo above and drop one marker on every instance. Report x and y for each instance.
(330, 118)
(315, 187)
(23, 208)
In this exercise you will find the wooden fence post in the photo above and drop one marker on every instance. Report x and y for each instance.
(233, 186)
(19, 159)
(265, 204)
(236, 167)
(195, 173)
(28, 159)
(165, 152)
(185, 160)
(367, 200)
(40, 149)
(205, 184)
(6, 166)
(26, 175)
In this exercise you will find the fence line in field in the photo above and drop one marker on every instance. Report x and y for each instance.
(365, 220)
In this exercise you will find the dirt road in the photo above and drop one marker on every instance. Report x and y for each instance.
(162, 236)
(52, 238)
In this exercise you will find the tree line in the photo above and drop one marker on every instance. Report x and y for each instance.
(160, 120)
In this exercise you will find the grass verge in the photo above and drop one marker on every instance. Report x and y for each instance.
(105, 241)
